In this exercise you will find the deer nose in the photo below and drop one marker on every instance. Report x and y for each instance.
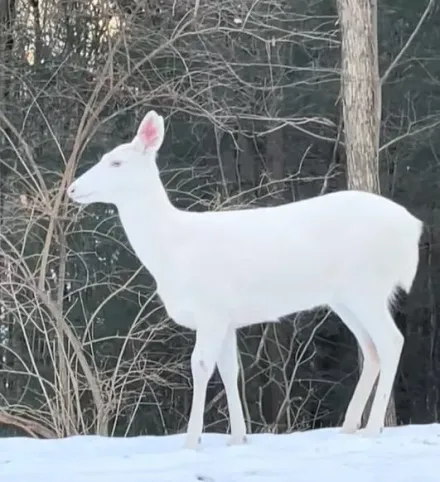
(71, 189)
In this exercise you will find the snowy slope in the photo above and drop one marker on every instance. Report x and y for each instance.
(403, 454)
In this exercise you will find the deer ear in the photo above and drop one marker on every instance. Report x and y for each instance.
(151, 131)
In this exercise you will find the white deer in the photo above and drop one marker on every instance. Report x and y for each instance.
(219, 271)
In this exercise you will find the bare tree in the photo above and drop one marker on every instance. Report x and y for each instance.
(7, 19)
(361, 105)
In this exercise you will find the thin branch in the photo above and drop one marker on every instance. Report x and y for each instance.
(409, 41)
(409, 133)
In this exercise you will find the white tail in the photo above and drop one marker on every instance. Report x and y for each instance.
(218, 271)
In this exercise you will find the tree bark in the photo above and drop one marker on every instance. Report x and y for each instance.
(361, 106)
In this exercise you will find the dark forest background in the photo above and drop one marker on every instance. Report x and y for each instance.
(251, 95)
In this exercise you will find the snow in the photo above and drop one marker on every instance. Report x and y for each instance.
(402, 454)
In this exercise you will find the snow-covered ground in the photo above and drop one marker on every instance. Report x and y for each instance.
(403, 454)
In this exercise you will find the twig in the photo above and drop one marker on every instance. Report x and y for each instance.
(408, 42)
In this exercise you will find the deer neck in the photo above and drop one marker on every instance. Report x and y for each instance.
(149, 220)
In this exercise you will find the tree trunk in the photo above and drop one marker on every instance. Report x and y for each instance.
(361, 105)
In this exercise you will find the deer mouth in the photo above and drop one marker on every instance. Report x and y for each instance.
(81, 198)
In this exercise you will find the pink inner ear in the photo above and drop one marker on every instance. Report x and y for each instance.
(149, 133)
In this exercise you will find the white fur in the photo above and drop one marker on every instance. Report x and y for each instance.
(218, 271)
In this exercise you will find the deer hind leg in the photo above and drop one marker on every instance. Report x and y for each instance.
(370, 369)
(389, 344)
(227, 364)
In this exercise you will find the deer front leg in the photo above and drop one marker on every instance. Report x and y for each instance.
(227, 364)
(209, 340)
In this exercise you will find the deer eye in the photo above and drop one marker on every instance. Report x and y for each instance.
(115, 163)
